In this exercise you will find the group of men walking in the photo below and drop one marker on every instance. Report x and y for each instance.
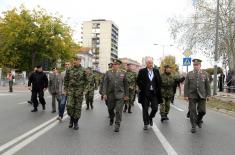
(118, 88)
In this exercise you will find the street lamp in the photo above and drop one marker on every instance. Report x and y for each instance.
(163, 48)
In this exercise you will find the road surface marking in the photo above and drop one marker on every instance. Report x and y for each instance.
(166, 145)
(34, 135)
(177, 108)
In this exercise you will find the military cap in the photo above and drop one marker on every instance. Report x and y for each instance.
(117, 61)
(167, 66)
(197, 61)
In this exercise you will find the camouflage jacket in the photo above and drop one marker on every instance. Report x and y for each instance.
(131, 79)
(75, 79)
(91, 82)
(168, 82)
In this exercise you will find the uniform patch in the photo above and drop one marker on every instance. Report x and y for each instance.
(122, 76)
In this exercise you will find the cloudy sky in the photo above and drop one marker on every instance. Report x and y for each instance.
(141, 23)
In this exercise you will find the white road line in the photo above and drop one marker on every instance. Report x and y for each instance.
(33, 137)
(177, 108)
(24, 102)
(19, 138)
(166, 145)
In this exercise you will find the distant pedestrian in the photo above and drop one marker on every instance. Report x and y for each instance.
(10, 78)
(196, 91)
(149, 83)
(31, 98)
(221, 82)
(38, 83)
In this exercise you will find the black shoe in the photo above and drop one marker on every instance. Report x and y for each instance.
(193, 130)
(145, 127)
(43, 107)
(111, 122)
(34, 110)
(92, 107)
(75, 124)
(129, 109)
(116, 129)
(30, 102)
(163, 118)
(151, 122)
(188, 114)
(125, 108)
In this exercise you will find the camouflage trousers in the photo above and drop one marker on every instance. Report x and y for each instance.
(89, 97)
(165, 106)
(131, 97)
(74, 105)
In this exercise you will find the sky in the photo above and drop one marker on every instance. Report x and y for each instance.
(142, 23)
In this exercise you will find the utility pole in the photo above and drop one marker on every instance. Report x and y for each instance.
(216, 50)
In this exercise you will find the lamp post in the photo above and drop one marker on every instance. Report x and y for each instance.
(163, 48)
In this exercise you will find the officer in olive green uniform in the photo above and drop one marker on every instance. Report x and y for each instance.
(90, 88)
(74, 85)
(115, 91)
(131, 77)
(196, 91)
(167, 89)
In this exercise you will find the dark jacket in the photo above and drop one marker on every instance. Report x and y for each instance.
(38, 80)
(143, 83)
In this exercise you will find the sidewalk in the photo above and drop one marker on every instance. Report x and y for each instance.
(16, 88)
(227, 97)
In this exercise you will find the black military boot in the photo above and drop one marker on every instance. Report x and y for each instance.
(129, 109)
(71, 122)
(34, 109)
(91, 105)
(193, 130)
(111, 121)
(188, 114)
(166, 117)
(75, 124)
(116, 128)
(125, 108)
(162, 117)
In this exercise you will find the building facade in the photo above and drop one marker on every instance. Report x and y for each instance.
(87, 57)
(136, 65)
(102, 37)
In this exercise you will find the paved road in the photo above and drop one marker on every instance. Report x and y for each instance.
(95, 136)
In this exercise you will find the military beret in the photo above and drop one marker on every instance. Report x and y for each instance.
(197, 61)
(117, 61)
(167, 66)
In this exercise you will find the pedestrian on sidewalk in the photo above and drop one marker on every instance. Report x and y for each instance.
(38, 83)
(197, 91)
(115, 92)
(74, 85)
(90, 88)
(149, 83)
(54, 87)
(63, 97)
(10, 78)
(131, 77)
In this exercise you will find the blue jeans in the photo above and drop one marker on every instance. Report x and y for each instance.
(62, 103)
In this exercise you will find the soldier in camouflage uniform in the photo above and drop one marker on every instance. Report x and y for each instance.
(167, 89)
(74, 85)
(196, 91)
(115, 91)
(131, 79)
(90, 88)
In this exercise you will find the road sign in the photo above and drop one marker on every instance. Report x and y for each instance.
(186, 61)
(187, 53)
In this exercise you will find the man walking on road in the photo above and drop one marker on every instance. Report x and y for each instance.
(38, 83)
(196, 91)
(74, 85)
(131, 79)
(115, 92)
(10, 78)
(167, 89)
(149, 83)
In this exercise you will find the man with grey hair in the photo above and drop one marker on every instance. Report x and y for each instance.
(149, 83)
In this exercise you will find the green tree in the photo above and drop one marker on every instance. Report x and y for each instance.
(32, 37)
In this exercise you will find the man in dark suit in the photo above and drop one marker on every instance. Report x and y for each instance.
(149, 83)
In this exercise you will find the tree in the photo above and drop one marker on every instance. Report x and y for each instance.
(198, 32)
(32, 37)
